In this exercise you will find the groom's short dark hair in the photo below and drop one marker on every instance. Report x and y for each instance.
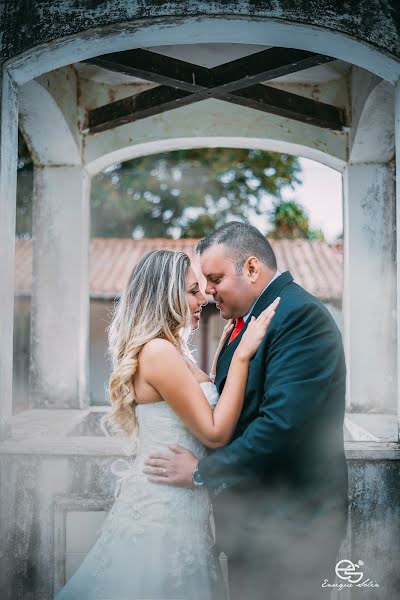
(242, 240)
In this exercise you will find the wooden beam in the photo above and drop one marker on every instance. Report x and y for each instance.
(290, 106)
(264, 66)
(146, 104)
(192, 83)
(258, 97)
(156, 68)
(243, 72)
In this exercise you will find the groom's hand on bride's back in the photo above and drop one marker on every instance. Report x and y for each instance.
(174, 468)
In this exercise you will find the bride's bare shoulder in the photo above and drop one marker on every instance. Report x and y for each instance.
(158, 359)
(158, 348)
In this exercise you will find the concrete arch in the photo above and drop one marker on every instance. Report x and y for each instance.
(40, 116)
(372, 137)
(170, 144)
(188, 30)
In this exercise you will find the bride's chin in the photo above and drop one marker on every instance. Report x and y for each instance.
(195, 326)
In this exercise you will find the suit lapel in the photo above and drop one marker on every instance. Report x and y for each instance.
(268, 296)
(272, 292)
(225, 357)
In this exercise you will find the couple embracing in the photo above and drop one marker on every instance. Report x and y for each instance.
(259, 441)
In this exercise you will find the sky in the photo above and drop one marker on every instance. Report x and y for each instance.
(321, 195)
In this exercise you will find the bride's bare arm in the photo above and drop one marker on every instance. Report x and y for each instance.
(164, 368)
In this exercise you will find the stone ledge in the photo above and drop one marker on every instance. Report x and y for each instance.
(94, 446)
(75, 446)
(372, 450)
(48, 432)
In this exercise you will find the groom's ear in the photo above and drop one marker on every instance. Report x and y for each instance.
(252, 268)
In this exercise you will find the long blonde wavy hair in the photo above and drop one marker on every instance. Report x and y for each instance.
(153, 305)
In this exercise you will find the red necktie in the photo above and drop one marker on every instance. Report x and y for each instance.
(239, 324)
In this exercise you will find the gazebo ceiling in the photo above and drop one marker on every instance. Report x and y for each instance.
(233, 73)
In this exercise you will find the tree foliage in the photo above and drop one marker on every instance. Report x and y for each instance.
(290, 221)
(187, 193)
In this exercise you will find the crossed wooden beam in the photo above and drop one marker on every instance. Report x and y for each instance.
(182, 83)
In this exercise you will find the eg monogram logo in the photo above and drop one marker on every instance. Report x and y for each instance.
(349, 571)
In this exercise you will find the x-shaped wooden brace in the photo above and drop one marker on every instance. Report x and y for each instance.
(238, 82)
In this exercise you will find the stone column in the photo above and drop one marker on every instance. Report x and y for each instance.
(60, 290)
(397, 153)
(370, 286)
(8, 178)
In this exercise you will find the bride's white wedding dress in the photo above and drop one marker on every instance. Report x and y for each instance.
(156, 542)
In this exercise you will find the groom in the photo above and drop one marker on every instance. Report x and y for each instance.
(279, 488)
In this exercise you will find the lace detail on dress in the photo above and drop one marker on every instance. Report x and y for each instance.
(156, 538)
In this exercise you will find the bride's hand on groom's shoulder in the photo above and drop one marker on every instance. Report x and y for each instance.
(226, 332)
(256, 330)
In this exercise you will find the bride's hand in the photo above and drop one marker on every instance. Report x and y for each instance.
(256, 330)
(227, 330)
(225, 334)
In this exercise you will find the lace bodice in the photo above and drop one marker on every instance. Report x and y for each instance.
(159, 427)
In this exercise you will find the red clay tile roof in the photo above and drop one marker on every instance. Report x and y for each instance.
(316, 266)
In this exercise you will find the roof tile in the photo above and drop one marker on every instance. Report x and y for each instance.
(315, 265)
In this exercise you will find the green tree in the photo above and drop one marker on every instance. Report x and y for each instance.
(290, 221)
(187, 193)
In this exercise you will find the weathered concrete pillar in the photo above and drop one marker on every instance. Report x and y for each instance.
(370, 286)
(8, 178)
(397, 153)
(60, 291)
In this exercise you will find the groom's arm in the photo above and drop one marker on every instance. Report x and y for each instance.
(302, 359)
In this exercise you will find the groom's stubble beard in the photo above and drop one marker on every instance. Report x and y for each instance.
(240, 312)
(238, 300)
(252, 293)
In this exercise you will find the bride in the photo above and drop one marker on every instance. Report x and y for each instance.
(156, 541)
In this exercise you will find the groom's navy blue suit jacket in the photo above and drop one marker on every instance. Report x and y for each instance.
(288, 443)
